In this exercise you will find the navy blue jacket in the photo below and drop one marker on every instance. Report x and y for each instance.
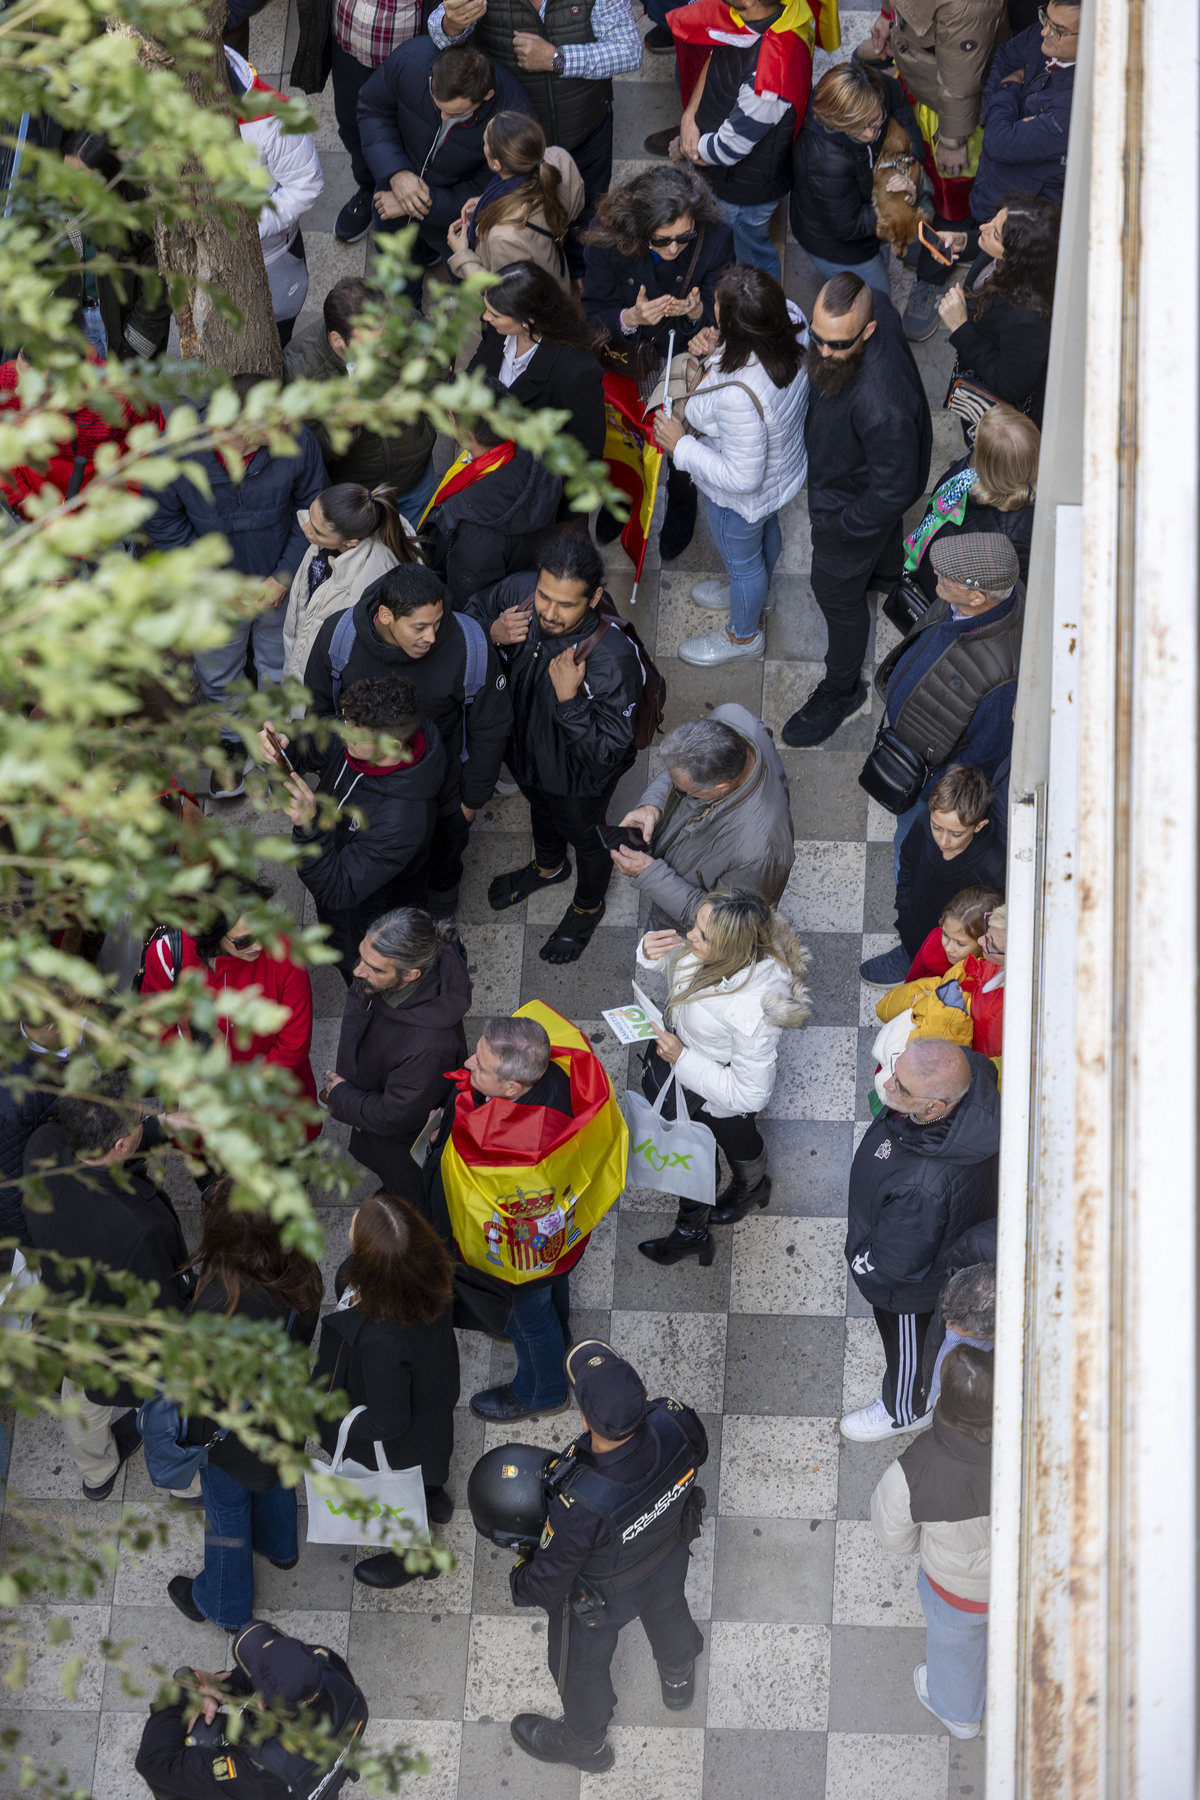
(258, 516)
(399, 124)
(989, 735)
(1025, 126)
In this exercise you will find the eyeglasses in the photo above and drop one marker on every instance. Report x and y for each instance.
(664, 243)
(836, 343)
(1057, 32)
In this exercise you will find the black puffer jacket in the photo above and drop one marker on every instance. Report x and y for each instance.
(1016, 526)
(914, 1191)
(491, 528)
(611, 283)
(832, 211)
(574, 746)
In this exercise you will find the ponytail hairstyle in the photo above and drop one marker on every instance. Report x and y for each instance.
(743, 931)
(354, 512)
(518, 144)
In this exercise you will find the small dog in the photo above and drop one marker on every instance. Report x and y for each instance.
(897, 217)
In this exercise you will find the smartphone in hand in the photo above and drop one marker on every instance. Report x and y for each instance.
(621, 837)
(935, 246)
(278, 748)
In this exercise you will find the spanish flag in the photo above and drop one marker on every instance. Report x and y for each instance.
(785, 61)
(634, 461)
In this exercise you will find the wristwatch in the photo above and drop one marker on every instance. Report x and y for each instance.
(559, 64)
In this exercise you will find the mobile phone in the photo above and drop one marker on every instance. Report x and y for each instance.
(279, 750)
(934, 245)
(620, 837)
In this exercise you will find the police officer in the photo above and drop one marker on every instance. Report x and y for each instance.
(185, 1755)
(614, 1548)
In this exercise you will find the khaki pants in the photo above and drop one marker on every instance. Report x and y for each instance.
(89, 1436)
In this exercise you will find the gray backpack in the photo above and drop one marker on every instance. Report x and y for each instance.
(474, 675)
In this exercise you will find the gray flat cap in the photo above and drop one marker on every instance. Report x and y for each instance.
(981, 559)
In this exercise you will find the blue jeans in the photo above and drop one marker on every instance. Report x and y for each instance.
(413, 504)
(537, 1330)
(874, 273)
(750, 552)
(236, 1524)
(751, 240)
(217, 670)
(955, 1656)
(94, 332)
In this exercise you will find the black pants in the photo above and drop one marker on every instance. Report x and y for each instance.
(594, 160)
(562, 819)
(903, 1337)
(928, 267)
(450, 837)
(841, 575)
(738, 1137)
(659, 1602)
(349, 77)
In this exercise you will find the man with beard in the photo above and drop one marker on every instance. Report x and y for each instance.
(869, 438)
(401, 1029)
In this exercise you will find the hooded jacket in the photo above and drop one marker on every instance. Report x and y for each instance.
(832, 207)
(400, 126)
(869, 447)
(914, 1189)
(406, 1377)
(370, 459)
(438, 677)
(575, 746)
(744, 840)
(348, 864)
(936, 1500)
(491, 529)
(257, 514)
(392, 1060)
(1025, 126)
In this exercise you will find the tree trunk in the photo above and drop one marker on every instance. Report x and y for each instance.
(202, 249)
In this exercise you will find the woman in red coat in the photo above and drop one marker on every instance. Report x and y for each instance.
(232, 957)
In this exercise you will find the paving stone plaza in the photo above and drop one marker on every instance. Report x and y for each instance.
(805, 1688)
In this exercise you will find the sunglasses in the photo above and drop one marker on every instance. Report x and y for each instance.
(664, 243)
(836, 343)
(243, 943)
(1057, 32)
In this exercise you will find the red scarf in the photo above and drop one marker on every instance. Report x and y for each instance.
(466, 469)
(416, 745)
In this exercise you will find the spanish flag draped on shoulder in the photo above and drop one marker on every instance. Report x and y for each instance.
(785, 61)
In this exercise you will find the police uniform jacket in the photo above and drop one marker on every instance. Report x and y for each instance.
(577, 1540)
(169, 1765)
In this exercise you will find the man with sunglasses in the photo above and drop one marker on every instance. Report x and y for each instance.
(927, 1171)
(869, 438)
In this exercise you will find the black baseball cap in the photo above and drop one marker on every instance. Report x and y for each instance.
(608, 1390)
(283, 1671)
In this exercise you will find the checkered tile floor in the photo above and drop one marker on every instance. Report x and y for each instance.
(805, 1688)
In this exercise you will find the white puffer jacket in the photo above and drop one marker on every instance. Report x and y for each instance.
(352, 573)
(291, 162)
(752, 465)
(731, 1045)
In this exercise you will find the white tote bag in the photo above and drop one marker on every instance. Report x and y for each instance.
(397, 1515)
(676, 1156)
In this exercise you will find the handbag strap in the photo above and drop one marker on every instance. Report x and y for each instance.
(691, 268)
(343, 1434)
(663, 1091)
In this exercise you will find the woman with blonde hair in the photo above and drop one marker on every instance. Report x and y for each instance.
(735, 987)
(992, 489)
(525, 210)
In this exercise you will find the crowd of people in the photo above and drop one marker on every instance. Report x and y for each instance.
(457, 632)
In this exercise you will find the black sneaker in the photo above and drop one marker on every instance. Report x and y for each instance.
(821, 715)
(127, 1438)
(659, 40)
(356, 217)
(550, 1741)
(659, 142)
(888, 969)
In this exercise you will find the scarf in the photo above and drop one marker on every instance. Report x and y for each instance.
(465, 470)
(414, 751)
(784, 64)
(496, 189)
(947, 505)
(319, 571)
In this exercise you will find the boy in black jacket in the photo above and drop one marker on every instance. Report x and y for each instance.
(402, 626)
(384, 768)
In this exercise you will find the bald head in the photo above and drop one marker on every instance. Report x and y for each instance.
(930, 1077)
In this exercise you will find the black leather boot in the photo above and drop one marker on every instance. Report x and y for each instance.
(750, 1186)
(550, 1741)
(682, 1241)
(678, 1686)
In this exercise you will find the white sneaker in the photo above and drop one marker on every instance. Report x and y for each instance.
(715, 595)
(970, 1729)
(870, 1423)
(718, 648)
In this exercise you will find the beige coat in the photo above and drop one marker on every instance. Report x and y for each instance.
(957, 1554)
(353, 571)
(942, 50)
(511, 243)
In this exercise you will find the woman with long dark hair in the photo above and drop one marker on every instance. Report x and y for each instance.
(390, 1346)
(524, 211)
(539, 346)
(245, 1272)
(747, 453)
(357, 534)
(999, 318)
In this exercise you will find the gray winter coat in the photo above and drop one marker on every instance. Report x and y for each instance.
(745, 840)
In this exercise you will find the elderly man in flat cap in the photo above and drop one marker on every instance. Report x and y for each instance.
(951, 686)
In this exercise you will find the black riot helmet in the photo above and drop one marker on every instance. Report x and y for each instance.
(507, 1496)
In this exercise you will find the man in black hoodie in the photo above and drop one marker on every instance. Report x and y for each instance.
(402, 626)
(490, 509)
(572, 726)
(926, 1171)
(869, 438)
(383, 767)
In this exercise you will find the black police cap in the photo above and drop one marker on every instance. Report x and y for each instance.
(608, 1391)
(282, 1670)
